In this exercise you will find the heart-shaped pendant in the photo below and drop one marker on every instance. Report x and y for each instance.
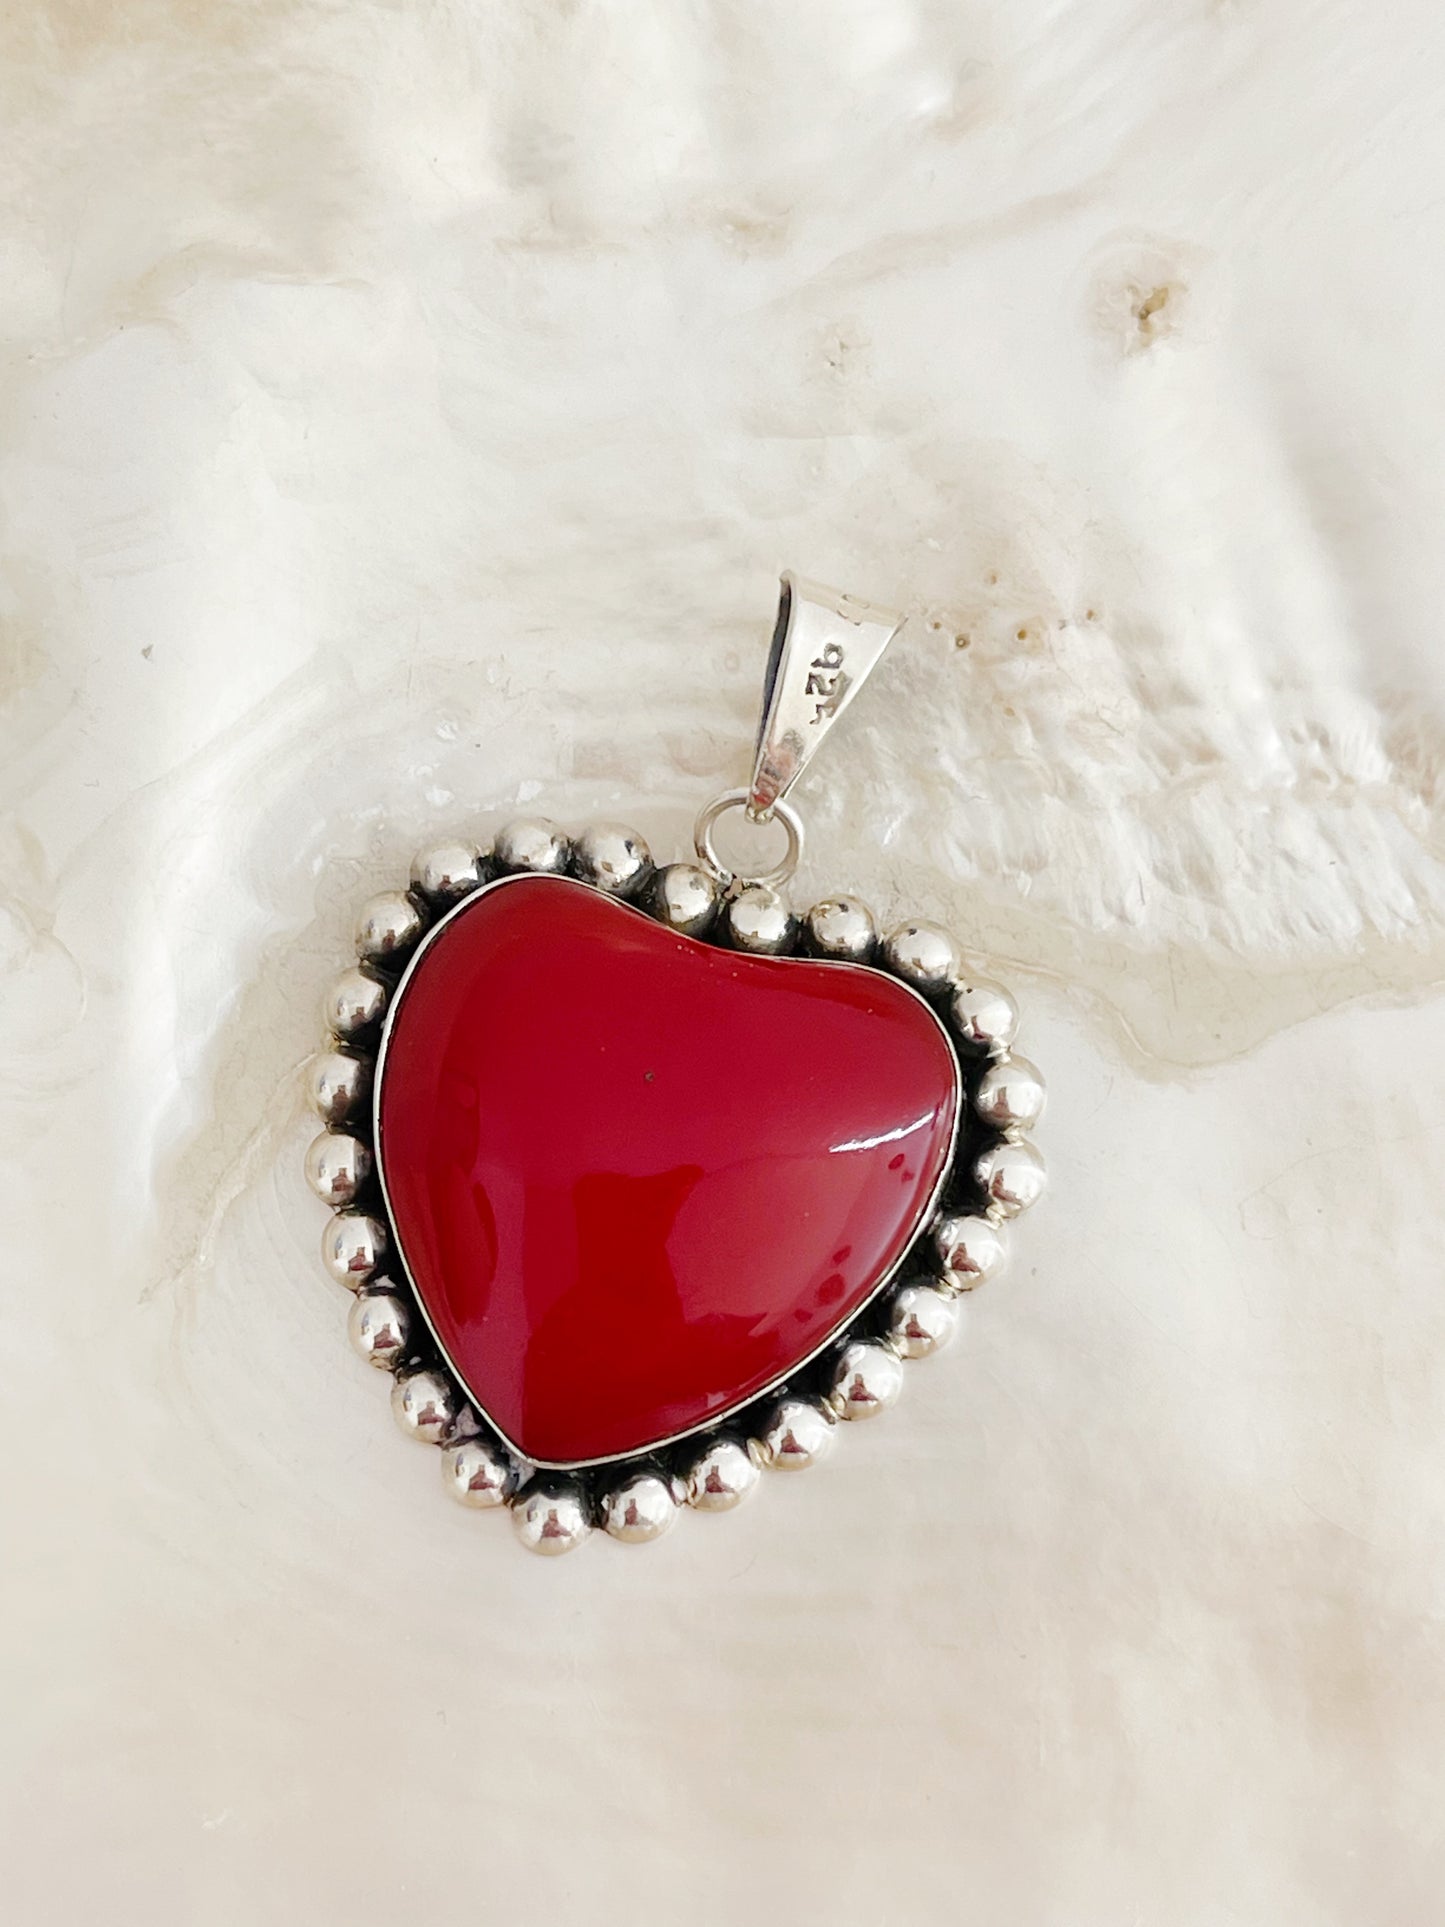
(628, 1163)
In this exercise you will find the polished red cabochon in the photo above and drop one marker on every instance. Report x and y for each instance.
(637, 1179)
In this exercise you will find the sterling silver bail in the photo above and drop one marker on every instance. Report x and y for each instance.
(825, 645)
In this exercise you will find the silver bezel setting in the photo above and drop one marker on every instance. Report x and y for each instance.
(362, 1252)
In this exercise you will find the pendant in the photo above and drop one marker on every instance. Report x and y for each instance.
(642, 1182)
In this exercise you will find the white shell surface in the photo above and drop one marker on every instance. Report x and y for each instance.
(406, 411)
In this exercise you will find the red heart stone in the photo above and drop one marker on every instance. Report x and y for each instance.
(637, 1180)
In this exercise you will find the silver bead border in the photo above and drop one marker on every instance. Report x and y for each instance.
(996, 1174)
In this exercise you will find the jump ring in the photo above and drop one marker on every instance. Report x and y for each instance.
(738, 800)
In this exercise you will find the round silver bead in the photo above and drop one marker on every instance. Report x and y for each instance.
(759, 920)
(387, 927)
(379, 1327)
(1010, 1095)
(354, 1002)
(867, 1380)
(336, 1167)
(612, 858)
(551, 1522)
(1012, 1175)
(921, 954)
(922, 1319)
(446, 873)
(721, 1476)
(843, 928)
(531, 843)
(798, 1435)
(969, 1249)
(425, 1405)
(352, 1246)
(985, 1017)
(641, 1510)
(477, 1474)
(337, 1084)
(685, 898)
